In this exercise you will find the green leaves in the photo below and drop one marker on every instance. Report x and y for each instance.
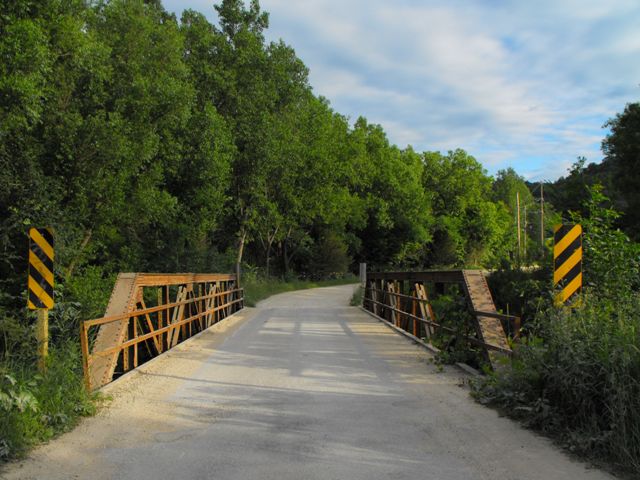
(161, 143)
(18, 397)
(470, 227)
(622, 150)
(610, 266)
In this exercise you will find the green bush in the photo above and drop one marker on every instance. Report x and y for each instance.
(451, 310)
(35, 407)
(330, 259)
(611, 262)
(91, 289)
(582, 383)
(356, 298)
(521, 292)
(577, 374)
(15, 337)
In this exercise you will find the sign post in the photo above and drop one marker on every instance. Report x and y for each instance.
(42, 335)
(40, 286)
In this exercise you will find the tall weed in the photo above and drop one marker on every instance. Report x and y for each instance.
(577, 374)
(582, 383)
(35, 407)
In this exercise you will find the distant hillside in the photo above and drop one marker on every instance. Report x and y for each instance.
(568, 192)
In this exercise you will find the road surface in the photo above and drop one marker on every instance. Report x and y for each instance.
(302, 387)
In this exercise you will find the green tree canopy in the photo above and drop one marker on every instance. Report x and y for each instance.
(622, 149)
(470, 227)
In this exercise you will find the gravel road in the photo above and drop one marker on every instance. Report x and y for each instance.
(302, 387)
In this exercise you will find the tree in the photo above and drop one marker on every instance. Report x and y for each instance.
(507, 187)
(312, 186)
(398, 212)
(38, 39)
(622, 148)
(469, 227)
(611, 264)
(247, 99)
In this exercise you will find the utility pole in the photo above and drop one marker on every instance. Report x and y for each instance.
(524, 240)
(518, 224)
(542, 217)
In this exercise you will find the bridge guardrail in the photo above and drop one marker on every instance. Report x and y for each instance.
(412, 313)
(128, 339)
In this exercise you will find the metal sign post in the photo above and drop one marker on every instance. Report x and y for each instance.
(40, 286)
(363, 274)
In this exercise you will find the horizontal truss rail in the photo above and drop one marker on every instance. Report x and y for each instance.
(146, 311)
(383, 298)
(159, 327)
(156, 332)
(472, 340)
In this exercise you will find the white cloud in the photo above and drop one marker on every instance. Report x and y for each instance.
(402, 134)
(340, 83)
(527, 84)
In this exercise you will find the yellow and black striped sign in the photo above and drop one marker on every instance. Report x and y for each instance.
(567, 261)
(40, 268)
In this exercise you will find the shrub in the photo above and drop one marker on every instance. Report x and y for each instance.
(611, 262)
(521, 292)
(91, 289)
(330, 259)
(577, 375)
(34, 407)
(451, 310)
(356, 298)
(582, 383)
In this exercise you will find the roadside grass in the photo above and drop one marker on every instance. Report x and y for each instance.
(356, 298)
(36, 407)
(575, 376)
(577, 379)
(259, 289)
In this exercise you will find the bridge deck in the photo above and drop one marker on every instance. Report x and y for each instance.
(302, 387)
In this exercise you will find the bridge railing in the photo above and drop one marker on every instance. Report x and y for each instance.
(139, 325)
(402, 299)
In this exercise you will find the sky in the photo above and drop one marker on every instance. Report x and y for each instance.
(515, 83)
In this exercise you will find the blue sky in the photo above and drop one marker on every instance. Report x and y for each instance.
(517, 84)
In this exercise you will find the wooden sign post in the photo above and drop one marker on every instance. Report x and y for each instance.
(40, 286)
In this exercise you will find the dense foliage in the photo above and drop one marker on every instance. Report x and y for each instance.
(152, 143)
(576, 375)
(156, 144)
(618, 174)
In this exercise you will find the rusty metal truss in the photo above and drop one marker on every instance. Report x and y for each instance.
(149, 313)
(412, 312)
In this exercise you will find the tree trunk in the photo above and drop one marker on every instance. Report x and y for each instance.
(285, 258)
(241, 241)
(85, 241)
(270, 240)
(268, 258)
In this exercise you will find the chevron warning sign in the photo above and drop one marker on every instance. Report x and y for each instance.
(567, 261)
(40, 268)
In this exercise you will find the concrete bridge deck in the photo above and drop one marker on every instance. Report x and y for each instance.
(302, 387)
